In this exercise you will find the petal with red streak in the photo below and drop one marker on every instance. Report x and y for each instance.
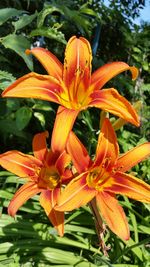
(36, 86)
(49, 61)
(19, 163)
(39, 145)
(108, 71)
(48, 200)
(62, 162)
(110, 100)
(113, 214)
(77, 67)
(76, 194)
(78, 153)
(107, 148)
(133, 157)
(130, 186)
(25, 192)
(63, 125)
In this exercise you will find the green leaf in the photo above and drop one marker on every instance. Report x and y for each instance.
(9, 126)
(46, 11)
(7, 13)
(43, 106)
(19, 44)
(23, 116)
(89, 12)
(40, 118)
(24, 21)
(51, 33)
(6, 79)
(137, 50)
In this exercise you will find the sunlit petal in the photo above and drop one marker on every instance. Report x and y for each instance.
(78, 153)
(77, 67)
(35, 86)
(49, 61)
(108, 71)
(133, 157)
(39, 145)
(75, 195)
(129, 186)
(113, 214)
(107, 147)
(117, 124)
(25, 192)
(19, 163)
(110, 100)
(48, 201)
(63, 125)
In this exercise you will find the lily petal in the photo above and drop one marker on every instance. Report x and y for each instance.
(36, 86)
(76, 194)
(49, 61)
(63, 124)
(133, 157)
(107, 147)
(78, 153)
(25, 192)
(113, 214)
(19, 163)
(77, 66)
(108, 71)
(39, 145)
(48, 201)
(129, 186)
(62, 162)
(110, 100)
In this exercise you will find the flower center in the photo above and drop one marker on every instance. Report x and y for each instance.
(48, 177)
(100, 177)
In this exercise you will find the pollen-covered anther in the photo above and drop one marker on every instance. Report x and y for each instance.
(92, 178)
(115, 169)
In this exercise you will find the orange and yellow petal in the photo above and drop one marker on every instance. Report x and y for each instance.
(76, 194)
(130, 186)
(110, 100)
(48, 200)
(63, 125)
(35, 86)
(133, 157)
(77, 66)
(49, 61)
(113, 214)
(19, 163)
(107, 150)
(25, 192)
(102, 75)
(39, 145)
(63, 162)
(78, 153)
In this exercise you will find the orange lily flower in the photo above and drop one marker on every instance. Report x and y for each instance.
(45, 172)
(104, 177)
(73, 87)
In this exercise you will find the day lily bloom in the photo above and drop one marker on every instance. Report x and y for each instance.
(44, 173)
(73, 87)
(104, 177)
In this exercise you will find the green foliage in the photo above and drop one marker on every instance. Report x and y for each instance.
(5, 79)
(19, 44)
(7, 13)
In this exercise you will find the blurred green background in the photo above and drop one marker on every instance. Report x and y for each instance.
(29, 239)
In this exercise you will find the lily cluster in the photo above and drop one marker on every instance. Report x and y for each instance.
(49, 171)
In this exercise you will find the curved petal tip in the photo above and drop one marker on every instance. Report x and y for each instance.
(135, 72)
